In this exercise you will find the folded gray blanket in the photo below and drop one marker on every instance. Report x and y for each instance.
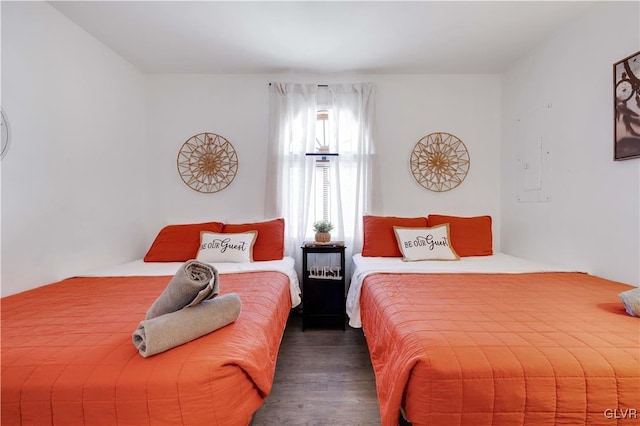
(194, 282)
(631, 301)
(167, 331)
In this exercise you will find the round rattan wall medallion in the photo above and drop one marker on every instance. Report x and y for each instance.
(207, 163)
(439, 162)
(6, 134)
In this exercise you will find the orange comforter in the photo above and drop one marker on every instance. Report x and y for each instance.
(68, 357)
(502, 349)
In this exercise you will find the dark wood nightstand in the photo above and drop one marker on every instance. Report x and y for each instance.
(323, 283)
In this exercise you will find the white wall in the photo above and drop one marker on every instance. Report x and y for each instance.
(412, 106)
(591, 222)
(91, 174)
(237, 107)
(77, 193)
(73, 179)
(180, 106)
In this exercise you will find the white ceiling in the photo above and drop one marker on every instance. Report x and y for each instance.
(222, 37)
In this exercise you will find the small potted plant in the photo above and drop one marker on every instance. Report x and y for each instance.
(322, 228)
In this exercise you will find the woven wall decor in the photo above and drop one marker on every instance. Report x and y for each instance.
(6, 134)
(439, 162)
(207, 163)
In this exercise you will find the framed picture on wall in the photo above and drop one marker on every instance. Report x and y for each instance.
(626, 80)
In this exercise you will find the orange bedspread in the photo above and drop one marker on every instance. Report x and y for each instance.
(68, 357)
(502, 349)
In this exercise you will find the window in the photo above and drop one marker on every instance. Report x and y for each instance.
(334, 162)
(320, 159)
(324, 161)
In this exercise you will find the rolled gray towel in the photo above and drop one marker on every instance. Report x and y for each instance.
(631, 301)
(194, 282)
(167, 331)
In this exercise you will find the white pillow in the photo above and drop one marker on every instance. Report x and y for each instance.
(236, 248)
(425, 243)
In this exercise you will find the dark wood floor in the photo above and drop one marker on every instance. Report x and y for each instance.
(323, 377)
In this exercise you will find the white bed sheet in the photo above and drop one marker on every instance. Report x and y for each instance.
(141, 268)
(498, 263)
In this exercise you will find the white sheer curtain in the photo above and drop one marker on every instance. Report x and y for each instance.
(353, 108)
(292, 134)
(290, 173)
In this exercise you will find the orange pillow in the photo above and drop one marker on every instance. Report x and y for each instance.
(179, 243)
(378, 237)
(470, 236)
(269, 244)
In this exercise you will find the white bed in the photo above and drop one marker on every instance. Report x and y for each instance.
(496, 263)
(68, 355)
(141, 268)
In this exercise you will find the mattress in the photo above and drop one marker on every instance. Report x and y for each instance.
(68, 356)
(490, 348)
(497, 263)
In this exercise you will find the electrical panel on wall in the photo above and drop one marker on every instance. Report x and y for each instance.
(533, 168)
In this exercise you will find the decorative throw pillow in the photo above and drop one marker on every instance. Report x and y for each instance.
(179, 243)
(631, 301)
(470, 236)
(379, 238)
(425, 243)
(236, 248)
